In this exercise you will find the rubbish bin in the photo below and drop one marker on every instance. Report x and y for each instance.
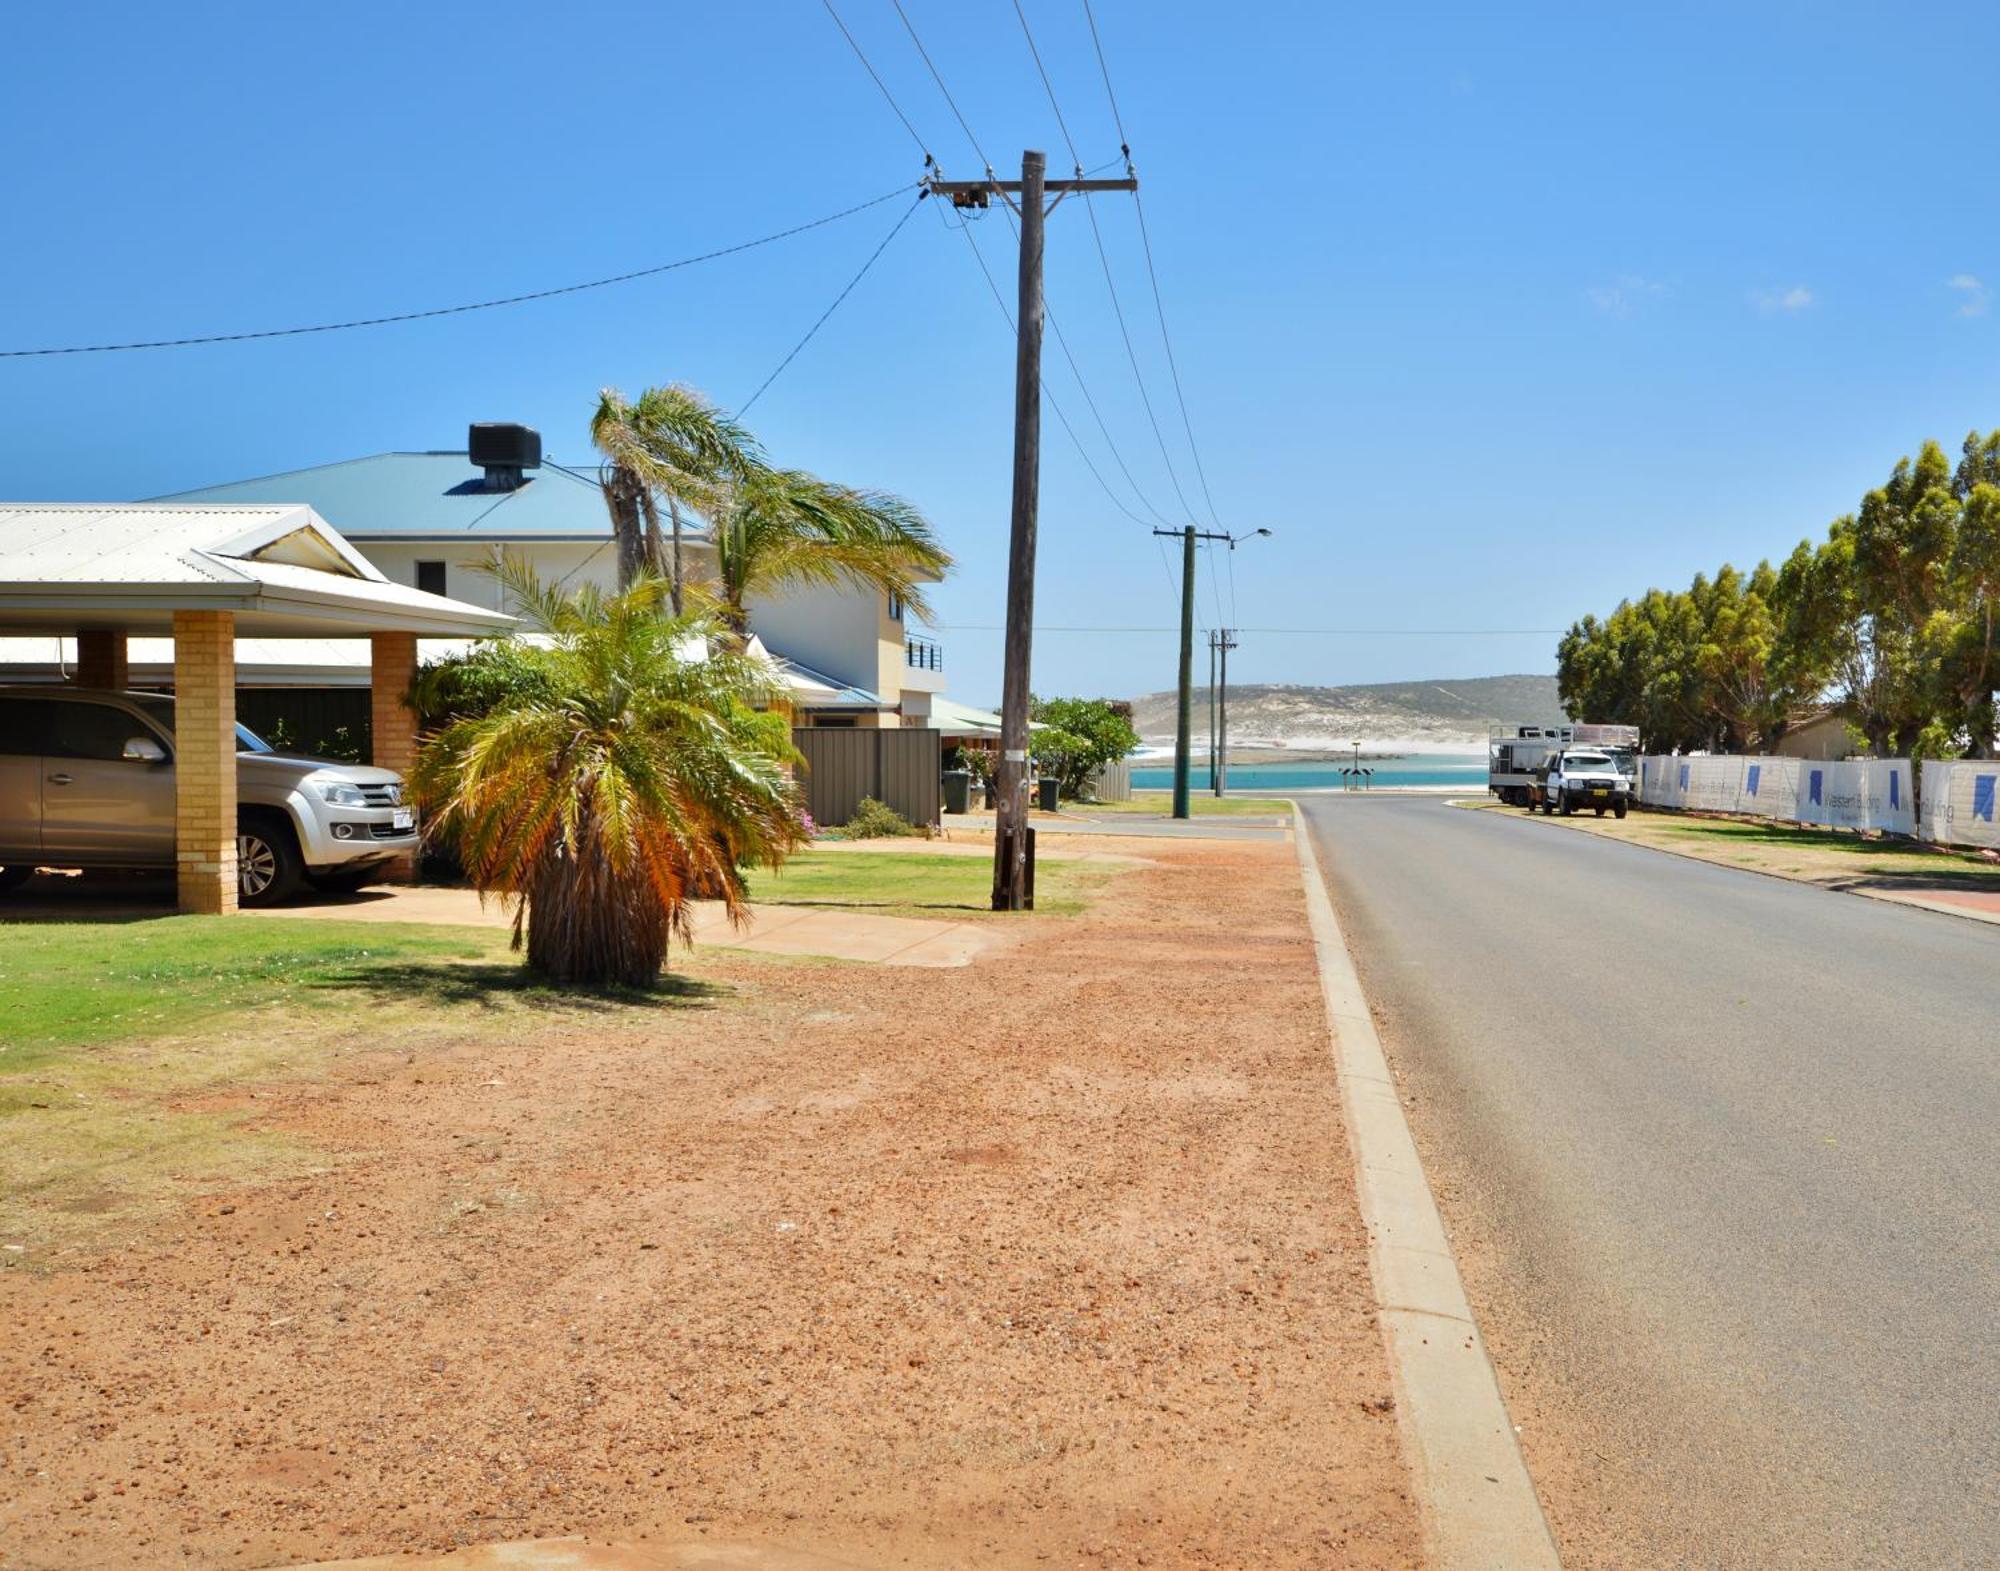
(1047, 788)
(958, 790)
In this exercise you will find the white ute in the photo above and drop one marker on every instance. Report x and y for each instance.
(1581, 778)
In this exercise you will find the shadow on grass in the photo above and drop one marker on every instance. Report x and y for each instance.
(495, 984)
(1941, 869)
(807, 902)
(1954, 880)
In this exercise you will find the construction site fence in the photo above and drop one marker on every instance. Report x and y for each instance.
(1958, 802)
(1871, 793)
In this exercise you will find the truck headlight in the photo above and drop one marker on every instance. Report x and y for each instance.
(340, 793)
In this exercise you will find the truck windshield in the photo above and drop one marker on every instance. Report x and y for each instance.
(160, 709)
(1586, 761)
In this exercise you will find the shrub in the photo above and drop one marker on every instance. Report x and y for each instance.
(1079, 736)
(875, 820)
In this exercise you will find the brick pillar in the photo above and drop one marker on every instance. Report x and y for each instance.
(205, 760)
(392, 723)
(100, 659)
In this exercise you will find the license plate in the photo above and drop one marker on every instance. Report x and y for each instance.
(1600, 792)
(403, 818)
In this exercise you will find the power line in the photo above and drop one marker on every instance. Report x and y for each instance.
(1152, 274)
(837, 299)
(1289, 632)
(1082, 452)
(1048, 86)
(931, 66)
(875, 76)
(1098, 44)
(1173, 368)
(1104, 259)
(457, 310)
(1062, 339)
(1062, 342)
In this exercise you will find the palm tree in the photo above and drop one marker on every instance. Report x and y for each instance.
(614, 777)
(780, 527)
(673, 445)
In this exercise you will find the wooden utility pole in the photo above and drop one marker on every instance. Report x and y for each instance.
(1225, 640)
(1183, 742)
(1211, 709)
(1012, 878)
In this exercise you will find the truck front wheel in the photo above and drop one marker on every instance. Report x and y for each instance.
(1618, 811)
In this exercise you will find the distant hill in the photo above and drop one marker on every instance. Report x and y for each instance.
(1439, 713)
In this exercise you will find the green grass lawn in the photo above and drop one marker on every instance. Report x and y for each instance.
(1821, 851)
(916, 884)
(1159, 804)
(116, 1031)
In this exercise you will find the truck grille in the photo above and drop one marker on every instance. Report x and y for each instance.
(383, 795)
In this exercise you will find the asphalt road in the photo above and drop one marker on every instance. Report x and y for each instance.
(1720, 1155)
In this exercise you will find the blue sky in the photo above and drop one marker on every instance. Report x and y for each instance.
(1492, 314)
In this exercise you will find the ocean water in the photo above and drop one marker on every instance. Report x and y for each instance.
(1410, 769)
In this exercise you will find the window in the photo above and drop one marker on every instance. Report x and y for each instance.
(895, 608)
(21, 727)
(78, 730)
(430, 577)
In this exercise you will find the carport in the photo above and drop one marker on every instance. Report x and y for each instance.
(102, 573)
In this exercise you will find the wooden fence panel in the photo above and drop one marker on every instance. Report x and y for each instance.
(1112, 783)
(844, 764)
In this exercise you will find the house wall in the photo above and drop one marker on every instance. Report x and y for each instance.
(844, 632)
(1823, 738)
(574, 562)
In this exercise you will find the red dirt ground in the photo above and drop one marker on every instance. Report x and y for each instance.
(1052, 1260)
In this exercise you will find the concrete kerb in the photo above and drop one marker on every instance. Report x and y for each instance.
(1479, 1507)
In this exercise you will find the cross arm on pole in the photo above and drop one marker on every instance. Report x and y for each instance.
(980, 193)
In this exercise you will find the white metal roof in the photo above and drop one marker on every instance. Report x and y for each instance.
(955, 719)
(281, 568)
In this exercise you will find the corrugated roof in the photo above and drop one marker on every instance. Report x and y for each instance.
(809, 688)
(432, 496)
(85, 563)
(957, 719)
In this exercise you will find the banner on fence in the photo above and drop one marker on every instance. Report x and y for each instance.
(1959, 806)
(1867, 793)
(1863, 794)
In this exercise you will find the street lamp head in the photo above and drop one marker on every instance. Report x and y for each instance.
(1263, 531)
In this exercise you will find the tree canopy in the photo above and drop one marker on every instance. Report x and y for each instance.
(1888, 621)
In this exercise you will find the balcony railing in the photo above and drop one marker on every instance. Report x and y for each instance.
(923, 654)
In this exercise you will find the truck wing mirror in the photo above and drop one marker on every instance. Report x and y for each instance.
(144, 750)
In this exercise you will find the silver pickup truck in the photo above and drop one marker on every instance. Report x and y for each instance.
(87, 781)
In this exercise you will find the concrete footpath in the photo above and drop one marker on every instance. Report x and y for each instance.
(582, 1554)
